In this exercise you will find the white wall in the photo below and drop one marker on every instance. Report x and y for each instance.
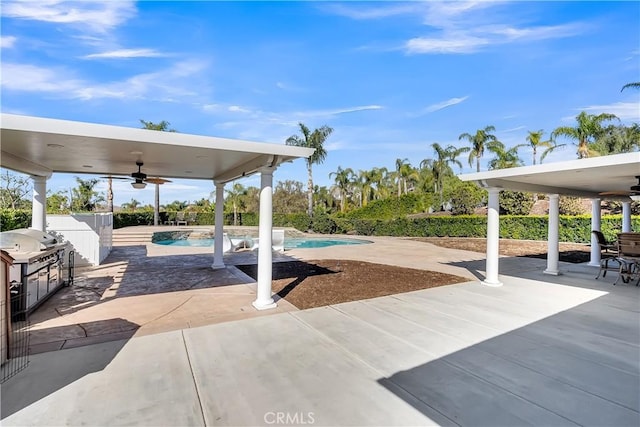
(89, 234)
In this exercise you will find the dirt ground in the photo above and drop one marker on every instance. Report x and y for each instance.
(569, 252)
(323, 282)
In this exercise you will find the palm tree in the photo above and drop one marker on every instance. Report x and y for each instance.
(478, 142)
(163, 126)
(343, 178)
(132, 205)
(440, 166)
(381, 181)
(550, 149)
(588, 129)
(315, 140)
(85, 197)
(504, 158)
(535, 141)
(234, 197)
(404, 174)
(635, 85)
(365, 184)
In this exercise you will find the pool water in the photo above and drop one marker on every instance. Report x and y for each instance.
(292, 243)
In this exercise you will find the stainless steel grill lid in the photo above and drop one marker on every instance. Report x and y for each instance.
(26, 240)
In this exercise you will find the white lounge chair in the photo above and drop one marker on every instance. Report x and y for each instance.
(277, 241)
(231, 244)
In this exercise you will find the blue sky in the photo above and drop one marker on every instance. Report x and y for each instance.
(391, 78)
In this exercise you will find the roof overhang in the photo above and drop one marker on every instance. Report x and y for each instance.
(41, 146)
(582, 177)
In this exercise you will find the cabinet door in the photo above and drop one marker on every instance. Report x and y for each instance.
(32, 290)
(43, 283)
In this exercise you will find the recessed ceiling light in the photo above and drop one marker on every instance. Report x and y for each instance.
(202, 157)
(87, 166)
(136, 153)
(55, 145)
(188, 171)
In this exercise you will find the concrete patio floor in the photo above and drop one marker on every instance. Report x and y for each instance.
(540, 350)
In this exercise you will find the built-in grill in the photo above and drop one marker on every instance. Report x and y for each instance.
(36, 272)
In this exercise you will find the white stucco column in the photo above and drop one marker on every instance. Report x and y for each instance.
(39, 206)
(626, 217)
(493, 238)
(553, 244)
(596, 216)
(265, 268)
(218, 237)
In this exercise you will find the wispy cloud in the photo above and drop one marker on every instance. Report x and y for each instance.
(92, 15)
(377, 12)
(439, 106)
(624, 110)
(167, 85)
(238, 109)
(450, 43)
(346, 110)
(7, 41)
(126, 54)
(457, 27)
(460, 41)
(515, 129)
(30, 78)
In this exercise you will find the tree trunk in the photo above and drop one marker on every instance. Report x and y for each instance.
(534, 155)
(235, 214)
(310, 191)
(110, 196)
(478, 163)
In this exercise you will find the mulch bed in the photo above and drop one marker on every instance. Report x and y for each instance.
(569, 252)
(324, 282)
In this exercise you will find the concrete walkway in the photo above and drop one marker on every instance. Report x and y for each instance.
(144, 288)
(541, 350)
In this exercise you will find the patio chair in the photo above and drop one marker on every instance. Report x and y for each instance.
(629, 257)
(277, 241)
(192, 218)
(608, 252)
(180, 219)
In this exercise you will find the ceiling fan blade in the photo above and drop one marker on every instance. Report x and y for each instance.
(156, 180)
(123, 178)
(615, 193)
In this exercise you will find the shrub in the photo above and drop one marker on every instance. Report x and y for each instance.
(515, 202)
(322, 223)
(299, 221)
(11, 219)
(465, 198)
(571, 206)
(392, 207)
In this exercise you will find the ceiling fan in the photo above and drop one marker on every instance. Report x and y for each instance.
(140, 178)
(633, 191)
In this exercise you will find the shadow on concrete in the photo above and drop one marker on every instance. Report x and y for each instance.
(68, 336)
(297, 270)
(580, 366)
(52, 371)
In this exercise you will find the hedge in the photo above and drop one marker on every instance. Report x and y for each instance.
(572, 228)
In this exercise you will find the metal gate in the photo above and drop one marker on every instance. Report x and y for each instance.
(17, 341)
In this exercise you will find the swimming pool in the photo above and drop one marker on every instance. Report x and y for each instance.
(289, 243)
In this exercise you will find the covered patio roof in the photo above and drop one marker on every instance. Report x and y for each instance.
(582, 177)
(41, 146)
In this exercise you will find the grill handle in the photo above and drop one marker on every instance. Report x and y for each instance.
(71, 268)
